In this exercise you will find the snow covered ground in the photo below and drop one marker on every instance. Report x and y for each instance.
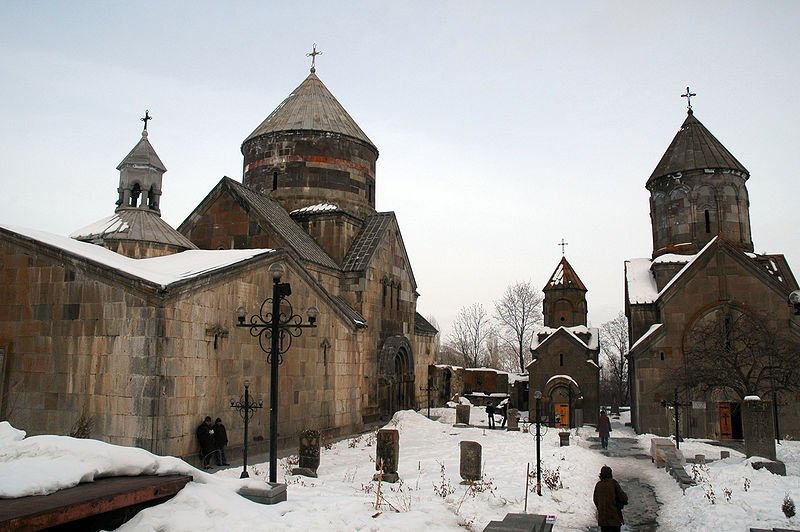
(430, 496)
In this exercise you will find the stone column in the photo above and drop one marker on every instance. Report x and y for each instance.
(471, 457)
(387, 454)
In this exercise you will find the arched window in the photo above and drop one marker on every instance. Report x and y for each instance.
(135, 193)
(274, 180)
(561, 359)
(708, 221)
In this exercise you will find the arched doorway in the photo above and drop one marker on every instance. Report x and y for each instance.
(564, 396)
(396, 374)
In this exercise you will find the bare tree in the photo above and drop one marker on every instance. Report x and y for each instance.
(614, 346)
(745, 354)
(472, 329)
(518, 313)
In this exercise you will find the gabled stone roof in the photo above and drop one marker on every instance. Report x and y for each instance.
(311, 107)
(366, 242)
(421, 325)
(133, 224)
(564, 276)
(274, 215)
(695, 148)
(142, 154)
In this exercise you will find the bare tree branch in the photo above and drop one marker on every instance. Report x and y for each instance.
(518, 313)
(471, 331)
(614, 346)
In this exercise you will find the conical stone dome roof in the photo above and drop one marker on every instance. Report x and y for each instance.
(143, 154)
(311, 107)
(695, 148)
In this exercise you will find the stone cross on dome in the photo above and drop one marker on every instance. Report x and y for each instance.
(146, 118)
(313, 55)
(688, 97)
(563, 245)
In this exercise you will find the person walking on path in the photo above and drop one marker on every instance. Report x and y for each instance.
(205, 437)
(490, 414)
(609, 498)
(604, 428)
(504, 411)
(220, 442)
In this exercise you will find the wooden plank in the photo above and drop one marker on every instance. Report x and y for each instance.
(104, 495)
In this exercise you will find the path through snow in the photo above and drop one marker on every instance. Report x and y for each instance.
(628, 460)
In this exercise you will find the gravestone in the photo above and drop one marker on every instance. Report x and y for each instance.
(309, 454)
(563, 439)
(512, 418)
(387, 449)
(462, 415)
(263, 492)
(724, 454)
(699, 459)
(471, 457)
(758, 429)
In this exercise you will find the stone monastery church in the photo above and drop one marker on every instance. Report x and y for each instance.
(704, 302)
(128, 327)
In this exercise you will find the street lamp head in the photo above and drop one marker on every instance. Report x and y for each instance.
(312, 315)
(240, 312)
(246, 383)
(537, 394)
(276, 270)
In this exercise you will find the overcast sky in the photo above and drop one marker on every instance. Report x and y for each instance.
(502, 126)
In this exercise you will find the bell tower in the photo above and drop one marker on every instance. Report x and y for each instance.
(564, 298)
(698, 191)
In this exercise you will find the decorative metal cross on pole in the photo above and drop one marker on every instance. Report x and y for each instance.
(675, 404)
(313, 55)
(275, 325)
(146, 118)
(688, 97)
(429, 388)
(246, 408)
(563, 245)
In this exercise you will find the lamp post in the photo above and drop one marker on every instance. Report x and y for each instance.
(246, 409)
(538, 395)
(278, 327)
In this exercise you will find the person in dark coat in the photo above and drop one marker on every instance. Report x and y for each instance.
(490, 413)
(220, 442)
(604, 428)
(205, 437)
(609, 500)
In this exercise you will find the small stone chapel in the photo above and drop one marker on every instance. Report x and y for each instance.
(565, 366)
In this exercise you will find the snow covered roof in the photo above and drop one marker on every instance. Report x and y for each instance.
(653, 328)
(320, 208)
(578, 332)
(564, 276)
(141, 225)
(562, 377)
(641, 282)
(162, 271)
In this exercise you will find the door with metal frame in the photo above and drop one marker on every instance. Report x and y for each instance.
(562, 415)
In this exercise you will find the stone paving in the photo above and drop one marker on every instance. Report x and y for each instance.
(627, 459)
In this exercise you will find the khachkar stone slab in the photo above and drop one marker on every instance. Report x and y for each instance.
(387, 448)
(462, 415)
(471, 457)
(512, 418)
(758, 428)
(309, 454)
